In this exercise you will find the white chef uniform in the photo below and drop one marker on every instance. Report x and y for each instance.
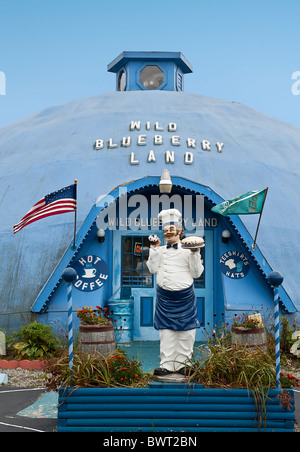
(175, 269)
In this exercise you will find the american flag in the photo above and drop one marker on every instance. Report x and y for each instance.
(60, 201)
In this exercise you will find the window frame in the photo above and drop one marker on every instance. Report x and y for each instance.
(152, 63)
(139, 238)
(122, 71)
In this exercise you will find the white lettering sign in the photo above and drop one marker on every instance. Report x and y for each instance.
(158, 140)
(141, 212)
(135, 223)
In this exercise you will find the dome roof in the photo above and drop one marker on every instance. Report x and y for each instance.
(233, 149)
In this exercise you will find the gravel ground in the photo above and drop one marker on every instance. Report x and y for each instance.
(25, 378)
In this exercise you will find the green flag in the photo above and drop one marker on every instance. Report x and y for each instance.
(249, 203)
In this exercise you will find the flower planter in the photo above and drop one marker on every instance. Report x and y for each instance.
(97, 338)
(249, 337)
(23, 364)
(167, 407)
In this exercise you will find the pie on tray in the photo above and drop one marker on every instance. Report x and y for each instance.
(192, 242)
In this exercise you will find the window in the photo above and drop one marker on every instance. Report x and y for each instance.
(135, 255)
(151, 77)
(122, 81)
(135, 273)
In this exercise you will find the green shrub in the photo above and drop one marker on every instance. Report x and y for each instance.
(36, 341)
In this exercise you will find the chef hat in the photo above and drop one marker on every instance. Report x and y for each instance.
(170, 216)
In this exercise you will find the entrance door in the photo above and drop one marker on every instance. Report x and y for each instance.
(131, 251)
(204, 288)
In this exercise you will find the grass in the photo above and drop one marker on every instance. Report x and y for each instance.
(96, 370)
(228, 366)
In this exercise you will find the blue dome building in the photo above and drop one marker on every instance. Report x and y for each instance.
(118, 145)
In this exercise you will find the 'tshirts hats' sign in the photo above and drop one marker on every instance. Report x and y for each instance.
(234, 264)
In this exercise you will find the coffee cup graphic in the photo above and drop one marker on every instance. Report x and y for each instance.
(89, 273)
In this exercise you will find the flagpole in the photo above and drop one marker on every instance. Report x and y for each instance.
(262, 208)
(75, 218)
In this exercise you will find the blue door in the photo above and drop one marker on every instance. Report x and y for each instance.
(204, 288)
(130, 253)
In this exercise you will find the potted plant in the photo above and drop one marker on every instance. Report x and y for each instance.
(248, 330)
(96, 331)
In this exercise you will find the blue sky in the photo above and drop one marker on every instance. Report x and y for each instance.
(55, 51)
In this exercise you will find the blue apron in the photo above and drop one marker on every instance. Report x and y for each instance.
(176, 309)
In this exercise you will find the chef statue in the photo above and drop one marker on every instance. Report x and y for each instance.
(176, 310)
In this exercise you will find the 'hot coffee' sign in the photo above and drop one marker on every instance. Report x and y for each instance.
(92, 273)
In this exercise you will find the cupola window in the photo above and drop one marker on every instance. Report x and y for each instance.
(151, 77)
(122, 81)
